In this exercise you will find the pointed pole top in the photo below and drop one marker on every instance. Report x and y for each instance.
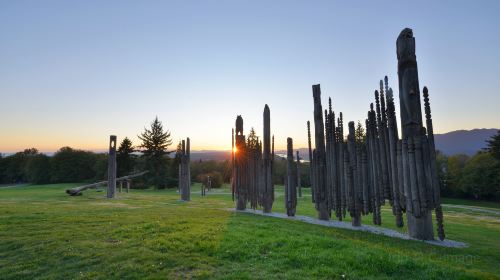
(426, 92)
(389, 94)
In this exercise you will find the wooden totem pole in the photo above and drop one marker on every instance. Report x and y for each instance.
(112, 167)
(311, 170)
(185, 171)
(319, 158)
(267, 187)
(291, 181)
(240, 167)
(418, 190)
(353, 176)
(299, 186)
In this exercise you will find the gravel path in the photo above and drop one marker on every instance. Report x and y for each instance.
(346, 225)
(473, 208)
(13, 186)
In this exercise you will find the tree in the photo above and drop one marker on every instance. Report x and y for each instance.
(442, 169)
(14, 166)
(494, 146)
(69, 166)
(155, 143)
(2, 169)
(37, 169)
(125, 158)
(360, 134)
(481, 177)
(252, 140)
(454, 172)
(174, 168)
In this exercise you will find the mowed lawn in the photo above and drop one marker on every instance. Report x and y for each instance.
(148, 234)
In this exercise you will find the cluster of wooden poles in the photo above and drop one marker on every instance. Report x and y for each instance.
(360, 173)
(252, 167)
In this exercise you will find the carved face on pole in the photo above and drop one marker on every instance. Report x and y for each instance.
(409, 93)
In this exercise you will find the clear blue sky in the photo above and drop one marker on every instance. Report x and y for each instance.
(74, 72)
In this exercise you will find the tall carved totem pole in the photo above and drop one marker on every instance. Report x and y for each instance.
(112, 167)
(239, 167)
(290, 180)
(422, 193)
(319, 158)
(267, 191)
(185, 171)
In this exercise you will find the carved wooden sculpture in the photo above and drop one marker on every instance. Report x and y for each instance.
(252, 162)
(436, 196)
(354, 177)
(419, 211)
(291, 181)
(112, 167)
(311, 171)
(239, 168)
(267, 193)
(299, 187)
(184, 171)
(128, 179)
(397, 187)
(319, 158)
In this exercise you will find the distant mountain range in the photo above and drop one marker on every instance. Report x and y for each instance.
(210, 155)
(466, 142)
(455, 142)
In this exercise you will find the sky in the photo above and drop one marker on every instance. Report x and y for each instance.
(74, 72)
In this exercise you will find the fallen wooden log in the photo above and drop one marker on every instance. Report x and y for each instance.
(78, 190)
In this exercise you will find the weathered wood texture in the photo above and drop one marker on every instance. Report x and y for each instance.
(319, 158)
(252, 167)
(111, 191)
(291, 181)
(359, 175)
(266, 197)
(299, 183)
(78, 190)
(418, 214)
(185, 170)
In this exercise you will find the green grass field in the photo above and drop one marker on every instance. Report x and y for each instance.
(45, 234)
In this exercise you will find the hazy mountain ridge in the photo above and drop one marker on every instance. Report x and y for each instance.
(466, 142)
(455, 142)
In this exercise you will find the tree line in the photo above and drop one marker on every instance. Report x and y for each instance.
(476, 177)
(461, 176)
(73, 165)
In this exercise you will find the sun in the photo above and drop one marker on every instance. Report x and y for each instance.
(235, 150)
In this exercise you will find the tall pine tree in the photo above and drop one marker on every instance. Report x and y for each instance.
(494, 145)
(125, 158)
(154, 147)
(360, 134)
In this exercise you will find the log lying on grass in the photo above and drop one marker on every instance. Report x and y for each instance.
(78, 190)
